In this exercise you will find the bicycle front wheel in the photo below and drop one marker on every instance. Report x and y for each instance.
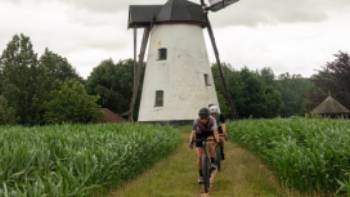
(218, 156)
(205, 163)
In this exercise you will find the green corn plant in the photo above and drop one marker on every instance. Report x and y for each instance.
(78, 160)
(310, 155)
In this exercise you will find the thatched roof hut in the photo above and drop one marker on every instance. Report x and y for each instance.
(331, 108)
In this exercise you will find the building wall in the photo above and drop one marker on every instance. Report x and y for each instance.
(180, 76)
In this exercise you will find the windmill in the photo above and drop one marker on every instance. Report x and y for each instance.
(178, 79)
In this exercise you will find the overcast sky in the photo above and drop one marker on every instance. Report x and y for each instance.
(296, 36)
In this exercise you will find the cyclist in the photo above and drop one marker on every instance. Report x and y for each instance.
(220, 120)
(204, 128)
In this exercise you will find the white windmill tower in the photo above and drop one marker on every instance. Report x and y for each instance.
(178, 79)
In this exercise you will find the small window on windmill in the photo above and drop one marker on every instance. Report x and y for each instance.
(162, 54)
(207, 80)
(159, 98)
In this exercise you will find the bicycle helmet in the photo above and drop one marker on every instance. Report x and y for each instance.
(204, 113)
(214, 109)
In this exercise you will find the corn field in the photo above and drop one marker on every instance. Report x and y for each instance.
(77, 160)
(311, 155)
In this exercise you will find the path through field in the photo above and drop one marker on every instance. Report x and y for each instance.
(242, 176)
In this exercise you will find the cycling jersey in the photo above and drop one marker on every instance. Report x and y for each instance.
(203, 131)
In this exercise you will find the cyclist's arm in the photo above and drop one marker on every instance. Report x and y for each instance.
(224, 129)
(192, 136)
(223, 124)
(215, 130)
(216, 134)
(193, 133)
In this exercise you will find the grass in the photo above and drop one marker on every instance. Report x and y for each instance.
(242, 176)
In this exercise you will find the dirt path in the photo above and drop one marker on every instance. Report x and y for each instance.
(242, 175)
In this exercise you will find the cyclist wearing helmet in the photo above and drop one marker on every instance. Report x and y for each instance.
(204, 127)
(220, 120)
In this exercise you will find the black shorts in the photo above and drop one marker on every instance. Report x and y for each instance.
(199, 143)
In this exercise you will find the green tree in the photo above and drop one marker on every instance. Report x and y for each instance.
(71, 103)
(255, 93)
(334, 78)
(19, 76)
(7, 113)
(113, 83)
(53, 71)
(268, 76)
(293, 89)
(56, 70)
(233, 83)
(250, 100)
(271, 93)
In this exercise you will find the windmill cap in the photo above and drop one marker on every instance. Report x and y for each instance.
(173, 11)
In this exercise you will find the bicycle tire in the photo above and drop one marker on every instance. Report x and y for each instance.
(206, 173)
(218, 156)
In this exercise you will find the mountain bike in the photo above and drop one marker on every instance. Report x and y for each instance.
(219, 151)
(218, 155)
(205, 165)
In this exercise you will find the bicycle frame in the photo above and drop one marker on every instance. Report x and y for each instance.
(205, 165)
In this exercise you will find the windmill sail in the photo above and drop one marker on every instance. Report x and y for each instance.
(216, 5)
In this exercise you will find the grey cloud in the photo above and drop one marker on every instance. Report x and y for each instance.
(109, 5)
(245, 12)
(62, 28)
(254, 12)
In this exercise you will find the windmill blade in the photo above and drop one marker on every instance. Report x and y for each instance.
(228, 95)
(137, 69)
(216, 5)
(129, 112)
(135, 61)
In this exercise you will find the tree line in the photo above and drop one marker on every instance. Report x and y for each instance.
(48, 90)
(262, 94)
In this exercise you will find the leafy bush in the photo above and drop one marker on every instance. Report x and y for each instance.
(77, 160)
(312, 155)
(71, 103)
(7, 113)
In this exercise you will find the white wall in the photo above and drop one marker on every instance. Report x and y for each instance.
(181, 76)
